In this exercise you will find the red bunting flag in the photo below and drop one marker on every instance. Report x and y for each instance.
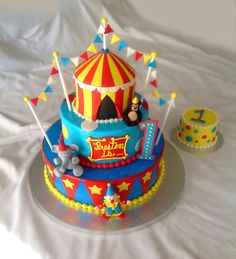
(154, 83)
(34, 101)
(54, 71)
(84, 55)
(70, 184)
(138, 55)
(108, 29)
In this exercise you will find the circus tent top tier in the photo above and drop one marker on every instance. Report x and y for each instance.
(104, 86)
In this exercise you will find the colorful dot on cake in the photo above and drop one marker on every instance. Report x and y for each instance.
(195, 131)
(196, 141)
(189, 138)
(188, 127)
(213, 139)
(213, 130)
(204, 136)
(208, 140)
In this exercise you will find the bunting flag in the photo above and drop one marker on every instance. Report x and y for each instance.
(43, 96)
(48, 89)
(162, 102)
(97, 39)
(84, 55)
(130, 51)
(51, 80)
(153, 74)
(123, 188)
(54, 71)
(34, 101)
(101, 29)
(137, 55)
(108, 29)
(153, 64)
(146, 58)
(156, 93)
(54, 63)
(115, 38)
(122, 45)
(96, 191)
(145, 179)
(92, 48)
(65, 61)
(70, 184)
(154, 83)
(75, 61)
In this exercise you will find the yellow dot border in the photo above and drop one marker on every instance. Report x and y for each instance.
(95, 210)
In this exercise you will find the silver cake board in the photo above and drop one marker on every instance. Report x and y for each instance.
(144, 215)
(218, 145)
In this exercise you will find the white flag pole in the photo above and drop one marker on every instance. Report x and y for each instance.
(171, 103)
(153, 56)
(27, 100)
(104, 22)
(56, 54)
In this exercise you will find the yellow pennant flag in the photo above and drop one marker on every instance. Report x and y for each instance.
(54, 63)
(115, 38)
(146, 58)
(156, 93)
(92, 48)
(43, 96)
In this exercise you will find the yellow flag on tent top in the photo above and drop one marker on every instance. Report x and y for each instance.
(115, 38)
(92, 48)
(156, 93)
(43, 96)
(146, 58)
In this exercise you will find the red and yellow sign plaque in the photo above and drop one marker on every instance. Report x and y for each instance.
(108, 148)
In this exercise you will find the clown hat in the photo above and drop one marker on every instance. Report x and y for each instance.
(110, 190)
(62, 146)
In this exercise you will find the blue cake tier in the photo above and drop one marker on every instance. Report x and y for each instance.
(130, 181)
(102, 143)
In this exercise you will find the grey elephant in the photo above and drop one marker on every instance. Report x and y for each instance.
(66, 159)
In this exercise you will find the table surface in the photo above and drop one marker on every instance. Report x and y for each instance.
(197, 59)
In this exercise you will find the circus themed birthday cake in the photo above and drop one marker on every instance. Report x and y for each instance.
(104, 155)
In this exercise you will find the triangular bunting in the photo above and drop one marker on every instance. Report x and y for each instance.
(122, 45)
(130, 51)
(153, 74)
(34, 101)
(146, 58)
(162, 102)
(84, 55)
(54, 63)
(97, 39)
(65, 61)
(48, 89)
(123, 187)
(51, 175)
(154, 83)
(145, 179)
(115, 38)
(153, 64)
(156, 93)
(137, 55)
(43, 96)
(108, 29)
(70, 184)
(96, 190)
(54, 71)
(75, 61)
(92, 48)
(101, 29)
(51, 80)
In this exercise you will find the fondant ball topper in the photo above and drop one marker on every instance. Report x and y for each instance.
(132, 115)
(66, 159)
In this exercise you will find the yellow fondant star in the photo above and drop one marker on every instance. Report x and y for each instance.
(68, 183)
(147, 177)
(95, 190)
(124, 186)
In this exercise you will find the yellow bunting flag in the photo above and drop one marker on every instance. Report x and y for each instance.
(156, 93)
(43, 96)
(54, 63)
(92, 48)
(146, 58)
(115, 38)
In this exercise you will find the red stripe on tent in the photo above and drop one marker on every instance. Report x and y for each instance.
(89, 77)
(96, 101)
(119, 102)
(83, 65)
(131, 94)
(127, 66)
(107, 79)
(81, 100)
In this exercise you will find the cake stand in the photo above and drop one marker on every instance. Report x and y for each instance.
(144, 215)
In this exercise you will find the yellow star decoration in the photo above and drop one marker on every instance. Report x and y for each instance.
(68, 183)
(124, 186)
(147, 177)
(95, 190)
